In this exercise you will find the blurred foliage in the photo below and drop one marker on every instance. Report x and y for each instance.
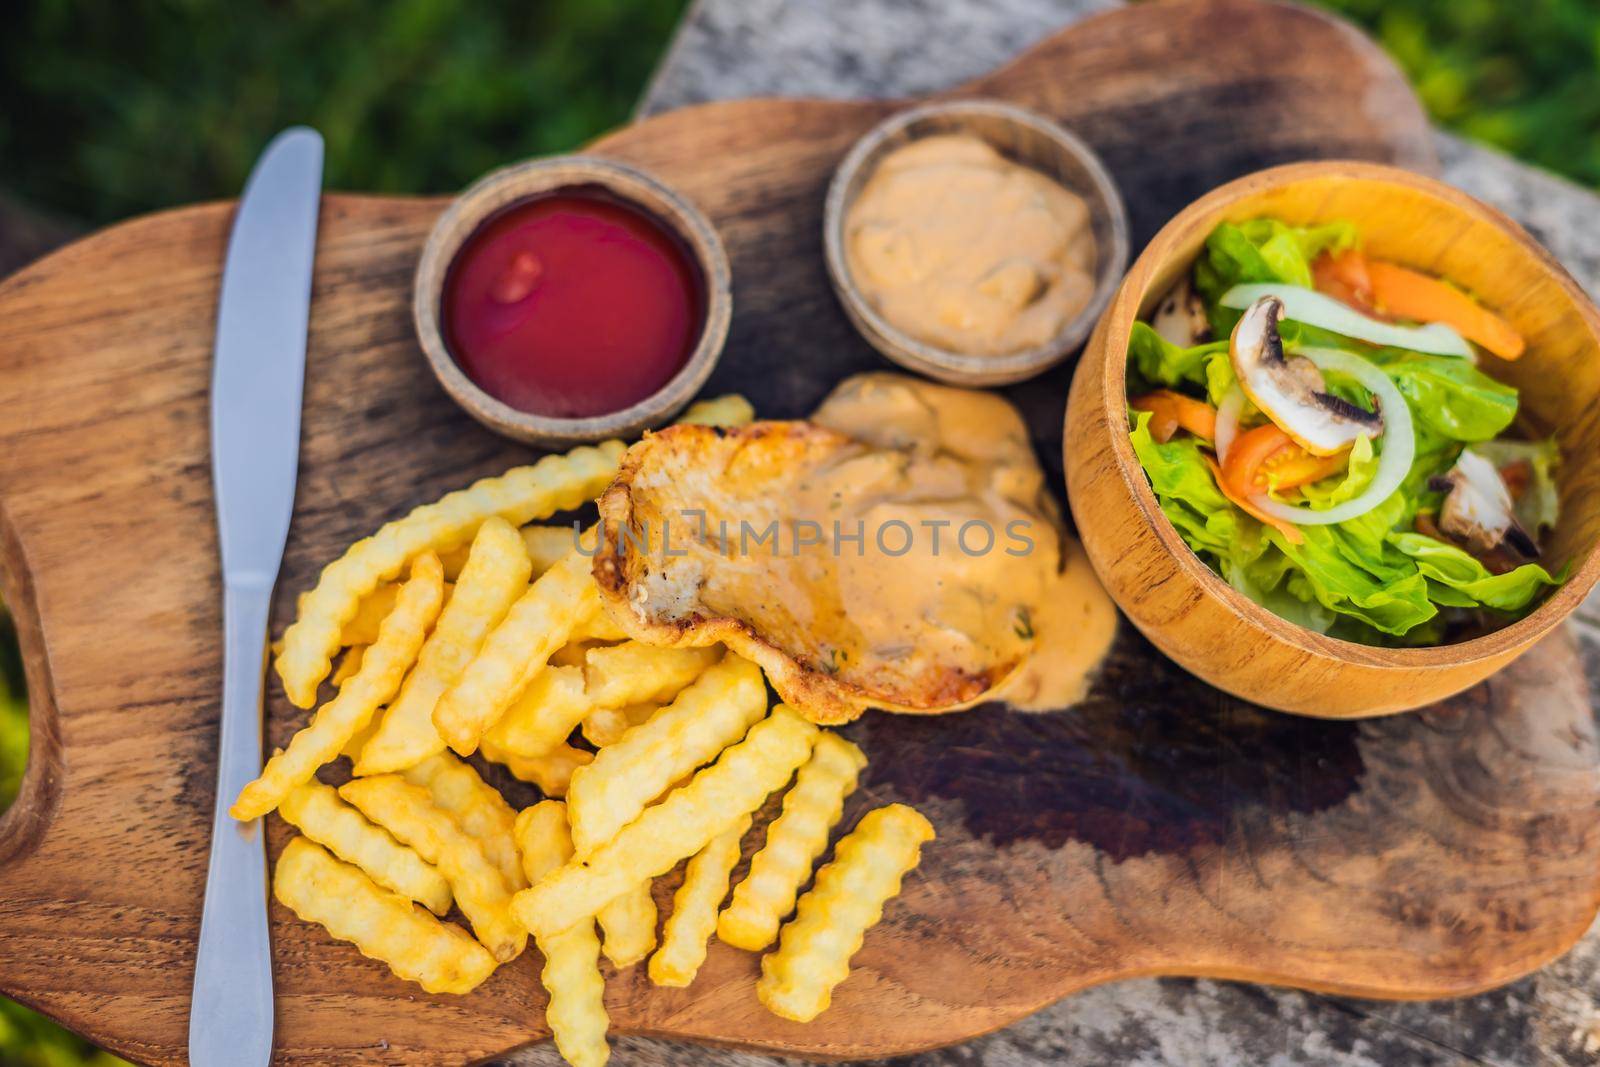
(13, 713)
(29, 1040)
(112, 108)
(108, 109)
(1523, 76)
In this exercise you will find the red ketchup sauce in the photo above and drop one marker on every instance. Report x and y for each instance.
(572, 304)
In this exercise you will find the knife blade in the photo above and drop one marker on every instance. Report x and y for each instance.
(256, 384)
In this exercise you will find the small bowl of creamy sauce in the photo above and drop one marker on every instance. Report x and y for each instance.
(973, 241)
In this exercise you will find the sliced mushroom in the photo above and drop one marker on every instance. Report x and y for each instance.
(1478, 511)
(1180, 318)
(1291, 391)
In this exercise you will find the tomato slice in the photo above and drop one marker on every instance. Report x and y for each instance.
(1248, 453)
(1172, 411)
(1290, 531)
(1267, 458)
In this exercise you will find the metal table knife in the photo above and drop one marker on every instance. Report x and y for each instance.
(256, 384)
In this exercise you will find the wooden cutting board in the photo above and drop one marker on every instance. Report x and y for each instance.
(1159, 828)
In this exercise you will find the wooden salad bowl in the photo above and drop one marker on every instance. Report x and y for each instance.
(1190, 612)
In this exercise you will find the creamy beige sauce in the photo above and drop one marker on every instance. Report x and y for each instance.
(1075, 622)
(963, 249)
(959, 457)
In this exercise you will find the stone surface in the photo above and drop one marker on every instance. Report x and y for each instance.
(852, 48)
(26, 234)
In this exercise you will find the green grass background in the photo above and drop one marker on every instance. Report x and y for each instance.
(110, 109)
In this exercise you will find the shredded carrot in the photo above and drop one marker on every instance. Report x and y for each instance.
(1413, 295)
(1173, 411)
(1290, 531)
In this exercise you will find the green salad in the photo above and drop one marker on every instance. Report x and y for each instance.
(1315, 424)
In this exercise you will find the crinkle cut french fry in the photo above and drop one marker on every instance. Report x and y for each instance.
(708, 716)
(336, 722)
(576, 1012)
(629, 922)
(813, 954)
(349, 664)
(548, 545)
(539, 622)
(545, 545)
(571, 975)
(694, 909)
(543, 839)
(600, 627)
(730, 409)
(316, 811)
(352, 748)
(385, 926)
(453, 560)
(634, 673)
(794, 841)
(605, 726)
(373, 609)
(551, 772)
(523, 494)
(628, 926)
(407, 811)
(476, 806)
(495, 575)
(544, 715)
(569, 655)
(675, 829)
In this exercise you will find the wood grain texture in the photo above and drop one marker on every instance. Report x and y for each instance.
(1160, 828)
(1187, 610)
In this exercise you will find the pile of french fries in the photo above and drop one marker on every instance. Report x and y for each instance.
(465, 628)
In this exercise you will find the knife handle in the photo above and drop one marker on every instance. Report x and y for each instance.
(230, 1019)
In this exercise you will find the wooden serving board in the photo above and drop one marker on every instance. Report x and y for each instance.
(1160, 828)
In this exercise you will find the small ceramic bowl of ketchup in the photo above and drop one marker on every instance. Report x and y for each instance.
(572, 299)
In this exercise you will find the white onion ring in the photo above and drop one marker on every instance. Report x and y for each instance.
(1323, 311)
(1399, 443)
(1228, 413)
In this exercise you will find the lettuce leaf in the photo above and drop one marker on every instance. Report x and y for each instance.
(1345, 569)
(1450, 566)
(1160, 362)
(1188, 495)
(1277, 597)
(1450, 397)
(1290, 250)
(1261, 250)
(1220, 379)
(1347, 576)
